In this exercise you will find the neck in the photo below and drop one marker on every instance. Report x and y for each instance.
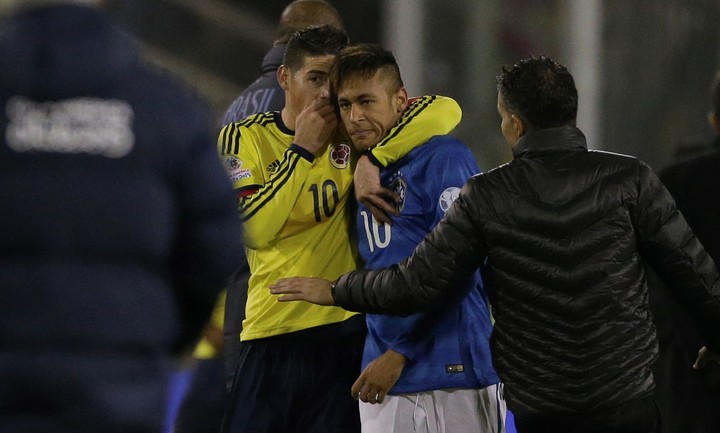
(288, 118)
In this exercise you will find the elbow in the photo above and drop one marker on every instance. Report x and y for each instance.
(452, 114)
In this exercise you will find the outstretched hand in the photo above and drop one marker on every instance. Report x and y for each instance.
(705, 356)
(368, 191)
(315, 290)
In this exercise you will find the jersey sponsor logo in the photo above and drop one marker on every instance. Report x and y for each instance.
(448, 197)
(233, 167)
(340, 155)
(273, 166)
(399, 187)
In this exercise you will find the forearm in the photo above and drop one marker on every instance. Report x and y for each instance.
(265, 212)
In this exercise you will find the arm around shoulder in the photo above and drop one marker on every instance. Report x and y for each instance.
(426, 117)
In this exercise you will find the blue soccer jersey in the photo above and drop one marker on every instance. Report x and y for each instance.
(448, 347)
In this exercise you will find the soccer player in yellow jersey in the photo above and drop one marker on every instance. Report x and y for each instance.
(293, 173)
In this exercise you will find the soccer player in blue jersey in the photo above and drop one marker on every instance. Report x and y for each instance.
(428, 372)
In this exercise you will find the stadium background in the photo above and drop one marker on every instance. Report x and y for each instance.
(643, 67)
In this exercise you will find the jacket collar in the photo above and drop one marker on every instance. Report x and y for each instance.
(273, 59)
(549, 140)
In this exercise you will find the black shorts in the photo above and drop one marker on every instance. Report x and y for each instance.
(298, 382)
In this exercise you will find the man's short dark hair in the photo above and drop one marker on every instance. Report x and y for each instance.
(313, 41)
(365, 60)
(541, 91)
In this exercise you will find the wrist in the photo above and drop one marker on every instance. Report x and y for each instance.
(332, 292)
(368, 153)
(396, 356)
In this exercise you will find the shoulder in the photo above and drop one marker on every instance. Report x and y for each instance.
(437, 104)
(444, 144)
(256, 123)
(445, 149)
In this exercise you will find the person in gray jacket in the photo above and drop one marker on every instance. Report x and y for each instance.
(564, 234)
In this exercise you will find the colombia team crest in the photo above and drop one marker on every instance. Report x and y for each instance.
(340, 155)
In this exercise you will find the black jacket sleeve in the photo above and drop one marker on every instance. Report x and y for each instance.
(431, 276)
(675, 253)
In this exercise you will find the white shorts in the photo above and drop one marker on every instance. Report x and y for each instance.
(444, 411)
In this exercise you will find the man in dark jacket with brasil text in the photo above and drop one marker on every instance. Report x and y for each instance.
(118, 226)
(564, 234)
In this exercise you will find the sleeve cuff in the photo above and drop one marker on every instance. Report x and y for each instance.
(374, 160)
(302, 152)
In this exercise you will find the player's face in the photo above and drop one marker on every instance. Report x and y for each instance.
(304, 85)
(369, 109)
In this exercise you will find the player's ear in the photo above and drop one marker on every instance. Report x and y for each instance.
(518, 124)
(401, 99)
(283, 76)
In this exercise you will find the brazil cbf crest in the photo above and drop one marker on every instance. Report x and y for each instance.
(399, 187)
(340, 155)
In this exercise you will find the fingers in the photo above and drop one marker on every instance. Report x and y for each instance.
(283, 285)
(378, 214)
(701, 359)
(382, 198)
(310, 289)
(380, 209)
(368, 394)
(382, 204)
(288, 290)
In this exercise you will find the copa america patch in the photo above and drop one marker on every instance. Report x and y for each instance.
(340, 155)
(448, 197)
(233, 167)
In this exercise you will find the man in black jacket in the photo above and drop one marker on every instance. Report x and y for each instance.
(689, 399)
(564, 234)
(118, 226)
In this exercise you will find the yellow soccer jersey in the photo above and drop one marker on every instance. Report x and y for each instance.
(295, 216)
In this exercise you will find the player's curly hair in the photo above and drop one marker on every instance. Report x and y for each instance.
(541, 91)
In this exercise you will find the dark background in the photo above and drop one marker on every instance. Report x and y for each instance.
(655, 59)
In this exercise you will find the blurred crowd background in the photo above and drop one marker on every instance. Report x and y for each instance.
(643, 67)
